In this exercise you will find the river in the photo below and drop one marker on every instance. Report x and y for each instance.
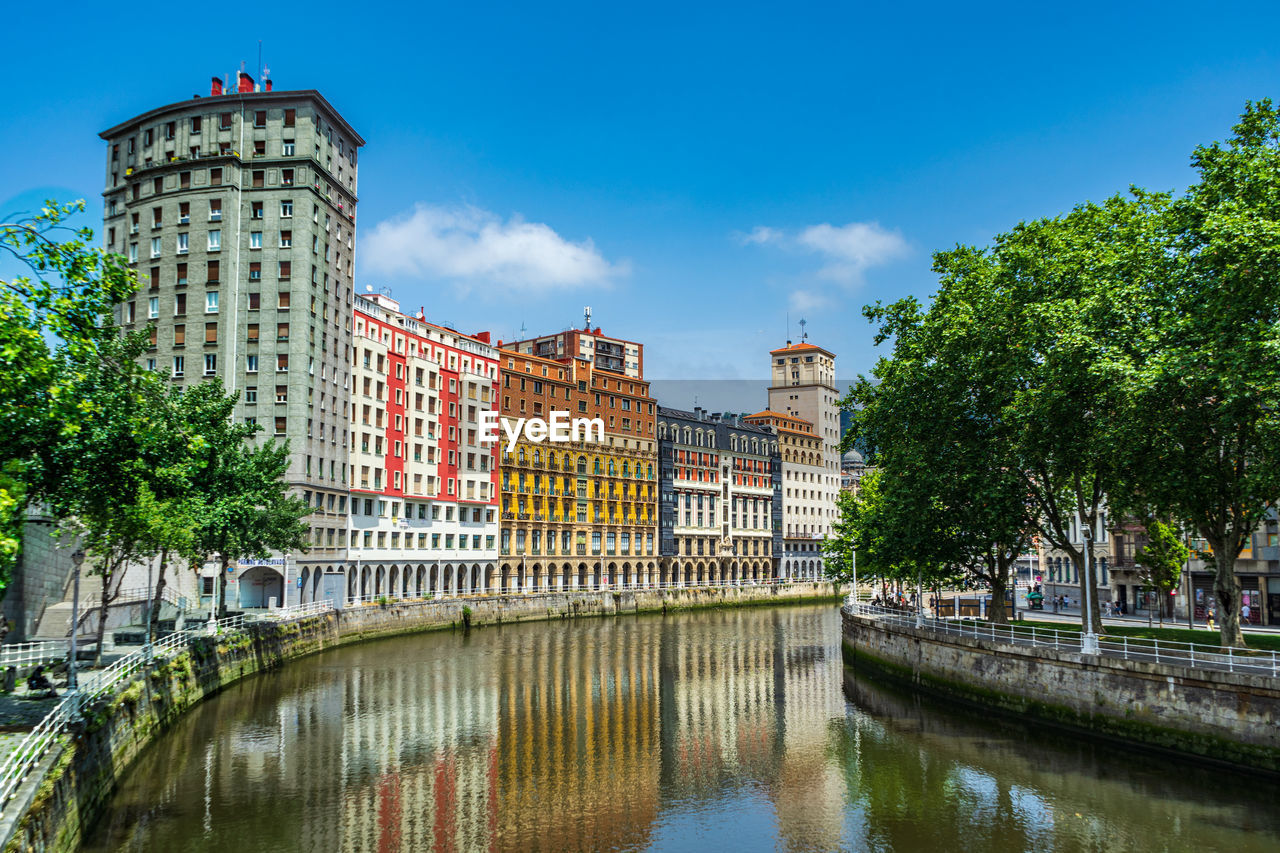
(716, 730)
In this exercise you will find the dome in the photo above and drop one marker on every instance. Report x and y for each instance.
(853, 457)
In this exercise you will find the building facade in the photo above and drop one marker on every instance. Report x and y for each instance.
(803, 386)
(580, 514)
(721, 509)
(237, 212)
(424, 487)
(615, 355)
(803, 507)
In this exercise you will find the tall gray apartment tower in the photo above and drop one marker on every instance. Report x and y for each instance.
(238, 211)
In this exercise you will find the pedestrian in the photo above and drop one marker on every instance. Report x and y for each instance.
(1208, 620)
(1244, 614)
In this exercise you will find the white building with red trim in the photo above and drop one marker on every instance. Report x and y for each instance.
(424, 490)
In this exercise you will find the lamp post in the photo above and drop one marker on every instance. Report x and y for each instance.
(213, 597)
(1088, 640)
(77, 559)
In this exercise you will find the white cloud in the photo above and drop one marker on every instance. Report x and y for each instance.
(761, 234)
(807, 300)
(848, 250)
(473, 246)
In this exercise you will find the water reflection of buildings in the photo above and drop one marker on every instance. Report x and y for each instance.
(576, 736)
(751, 698)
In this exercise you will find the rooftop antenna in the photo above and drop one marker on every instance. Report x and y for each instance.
(804, 336)
(586, 322)
(259, 61)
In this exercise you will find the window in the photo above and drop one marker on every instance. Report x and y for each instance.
(255, 270)
(288, 148)
(286, 177)
(211, 272)
(282, 393)
(259, 177)
(215, 210)
(215, 177)
(286, 270)
(184, 210)
(157, 214)
(255, 239)
(286, 239)
(155, 278)
(195, 124)
(183, 245)
(169, 129)
(179, 335)
(133, 253)
(260, 118)
(179, 365)
(260, 148)
(282, 423)
(253, 333)
(283, 299)
(153, 307)
(210, 333)
(254, 301)
(224, 121)
(290, 117)
(155, 247)
(286, 208)
(211, 302)
(251, 393)
(179, 304)
(210, 364)
(282, 331)
(215, 240)
(147, 137)
(251, 364)
(282, 363)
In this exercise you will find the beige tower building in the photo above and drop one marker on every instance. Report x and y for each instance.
(803, 386)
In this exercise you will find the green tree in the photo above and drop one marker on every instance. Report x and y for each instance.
(1208, 447)
(56, 313)
(1161, 560)
(245, 508)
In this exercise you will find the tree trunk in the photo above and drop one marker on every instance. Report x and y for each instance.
(107, 597)
(999, 583)
(158, 595)
(1226, 589)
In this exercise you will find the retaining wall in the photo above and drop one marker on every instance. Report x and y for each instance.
(1221, 717)
(66, 795)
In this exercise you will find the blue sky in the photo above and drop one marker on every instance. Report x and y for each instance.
(692, 172)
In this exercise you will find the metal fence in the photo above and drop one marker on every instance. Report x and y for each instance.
(1198, 655)
(26, 654)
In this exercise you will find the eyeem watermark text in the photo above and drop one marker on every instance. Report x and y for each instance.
(560, 429)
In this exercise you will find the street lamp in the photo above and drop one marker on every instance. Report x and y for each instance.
(77, 559)
(1088, 640)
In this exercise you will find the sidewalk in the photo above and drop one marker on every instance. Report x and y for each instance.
(1072, 614)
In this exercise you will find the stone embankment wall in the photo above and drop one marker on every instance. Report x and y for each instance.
(66, 795)
(1220, 717)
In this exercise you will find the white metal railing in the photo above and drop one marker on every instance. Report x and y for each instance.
(297, 611)
(137, 594)
(1199, 655)
(25, 654)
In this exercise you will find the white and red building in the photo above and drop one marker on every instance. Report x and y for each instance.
(424, 490)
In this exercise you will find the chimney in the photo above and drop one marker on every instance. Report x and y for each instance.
(266, 84)
(215, 89)
(246, 82)
(482, 337)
